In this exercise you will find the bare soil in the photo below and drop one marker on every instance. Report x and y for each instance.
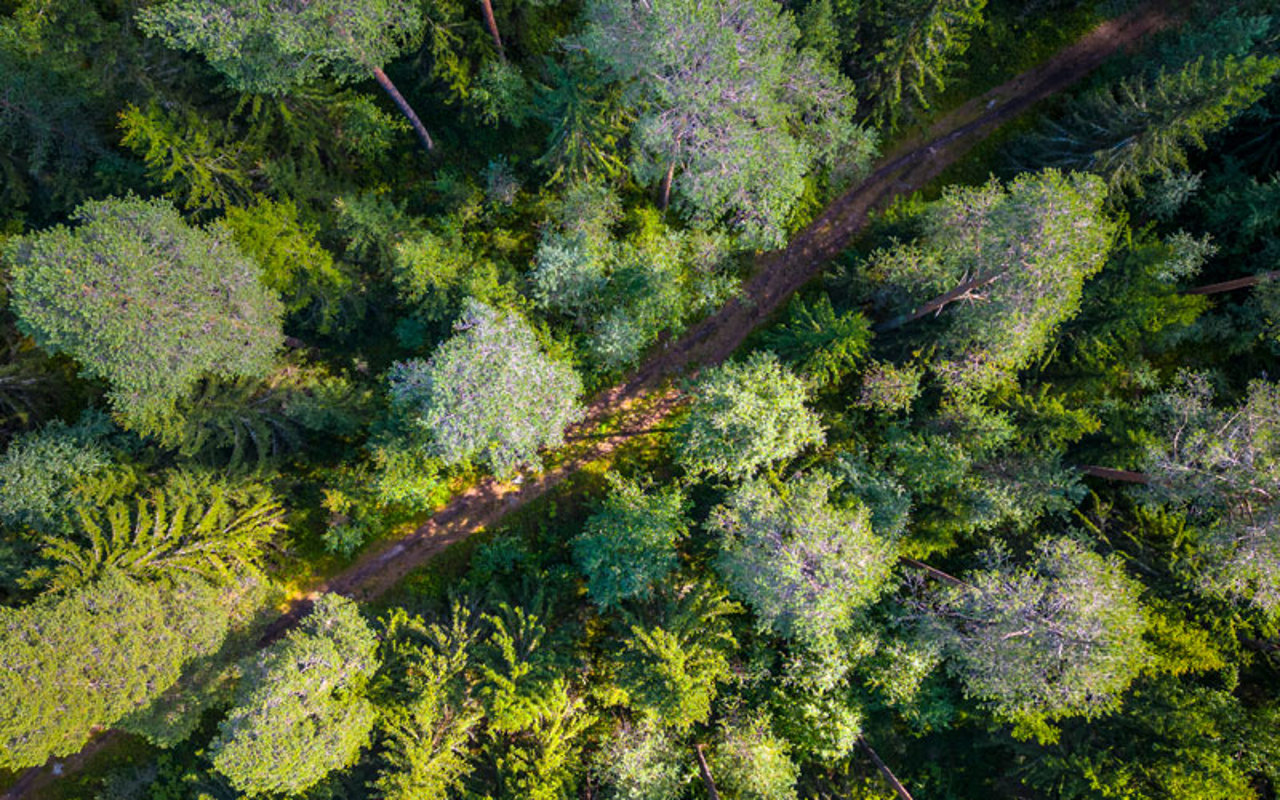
(647, 397)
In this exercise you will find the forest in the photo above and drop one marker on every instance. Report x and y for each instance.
(639, 399)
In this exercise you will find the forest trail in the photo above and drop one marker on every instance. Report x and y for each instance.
(645, 399)
(642, 401)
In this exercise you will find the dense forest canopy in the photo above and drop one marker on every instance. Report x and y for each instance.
(640, 399)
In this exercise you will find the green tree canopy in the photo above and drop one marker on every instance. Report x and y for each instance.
(145, 301)
(629, 544)
(669, 665)
(746, 415)
(1012, 260)
(489, 393)
(802, 564)
(1143, 126)
(300, 711)
(730, 104)
(271, 48)
(1057, 637)
(84, 659)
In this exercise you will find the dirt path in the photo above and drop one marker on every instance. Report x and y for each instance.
(778, 276)
(645, 399)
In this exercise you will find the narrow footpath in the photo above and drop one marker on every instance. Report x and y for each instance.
(646, 397)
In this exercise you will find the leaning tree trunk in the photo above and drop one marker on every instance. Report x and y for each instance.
(938, 303)
(1124, 475)
(1238, 283)
(492, 25)
(705, 771)
(405, 108)
(889, 777)
(665, 199)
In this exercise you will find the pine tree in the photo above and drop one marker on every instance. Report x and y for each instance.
(1143, 126)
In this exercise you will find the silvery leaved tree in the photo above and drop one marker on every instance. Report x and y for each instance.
(488, 394)
(275, 47)
(1057, 636)
(735, 115)
(1223, 466)
(802, 564)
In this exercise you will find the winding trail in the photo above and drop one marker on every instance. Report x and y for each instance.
(646, 397)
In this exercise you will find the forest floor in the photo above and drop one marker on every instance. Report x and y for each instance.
(648, 396)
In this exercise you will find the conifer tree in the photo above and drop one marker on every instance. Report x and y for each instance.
(145, 301)
(301, 711)
(275, 48)
(1143, 126)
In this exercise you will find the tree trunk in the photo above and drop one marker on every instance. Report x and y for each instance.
(889, 777)
(934, 572)
(706, 773)
(665, 199)
(492, 24)
(1238, 283)
(1116, 474)
(938, 303)
(405, 108)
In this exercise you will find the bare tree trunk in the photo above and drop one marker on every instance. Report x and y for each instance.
(405, 108)
(934, 572)
(706, 773)
(938, 303)
(1238, 283)
(665, 199)
(1116, 474)
(889, 777)
(492, 24)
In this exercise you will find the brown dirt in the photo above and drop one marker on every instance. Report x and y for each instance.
(646, 398)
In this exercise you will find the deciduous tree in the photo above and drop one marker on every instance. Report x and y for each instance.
(802, 564)
(488, 394)
(1058, 637)
(746, 415)
(301, 712)
(735, 117)
(274, 48)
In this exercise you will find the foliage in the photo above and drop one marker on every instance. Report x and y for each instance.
(86, 658)
(642, 762)
(40, 470)
(1059, 637)
(746, 415)
(802, 565)
(270, 50)
(824, 347)
(629, 544)
(1143, 126)
(208, 531)
(300, 712)
(750, 763)
(920, 41)
(134, 265)
(669, 667)
(1012, 262)
(729, 104)
(489, 393)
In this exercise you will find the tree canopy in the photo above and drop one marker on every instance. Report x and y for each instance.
(144, 301)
